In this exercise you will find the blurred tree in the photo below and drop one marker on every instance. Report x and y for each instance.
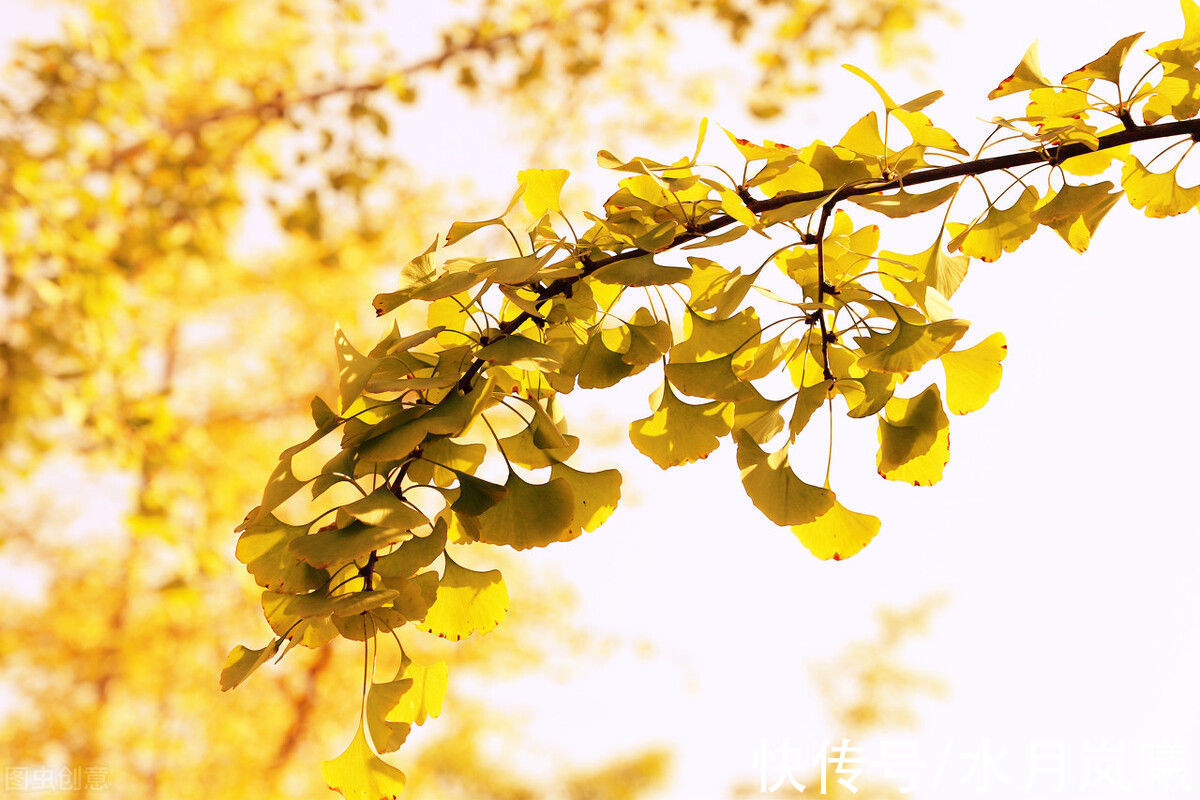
(190, 191)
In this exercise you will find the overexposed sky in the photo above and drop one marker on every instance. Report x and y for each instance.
(1063, 530)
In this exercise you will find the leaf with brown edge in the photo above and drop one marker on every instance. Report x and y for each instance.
(359, 774)
(1027, 75)
(838, 533)
(914, 442)
(678, 432)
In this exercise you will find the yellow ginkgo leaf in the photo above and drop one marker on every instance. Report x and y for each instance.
(973, 374)
(541, 189)
(1027, 75)
(529, 514)
(1157, 192)
(838, 533)
(467, 602)
(341, 546)
(774, 488)
(678, 432)
(908, 347)
(359, 774)
(242, 661)
(1003, 230)
(596, 496)
(393, 707)
(708, 338)
(1108, 66)
(412, 555)
(914, 442)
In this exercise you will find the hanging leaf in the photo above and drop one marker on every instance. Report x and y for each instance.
(774, 488)
(359, 774)
(467, 602)
(914, 442)
(678, 432)
(972, 375)
(838, 533)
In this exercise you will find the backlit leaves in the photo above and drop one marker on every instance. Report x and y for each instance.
(467, 602)
(1157, 193)
(359, 774)
(678, 432)
(775, 489)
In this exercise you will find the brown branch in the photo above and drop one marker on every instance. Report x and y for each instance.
(1051, 155)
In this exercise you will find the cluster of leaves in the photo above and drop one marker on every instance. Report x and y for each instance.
(443, 430)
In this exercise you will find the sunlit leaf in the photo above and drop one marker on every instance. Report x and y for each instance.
(359, 774)
(972, 375)
(774, 488)
(542, 188)
(467, 602)
(678, 432)
(913, 439)
(838, 533)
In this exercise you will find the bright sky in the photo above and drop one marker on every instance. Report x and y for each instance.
(1063, 530)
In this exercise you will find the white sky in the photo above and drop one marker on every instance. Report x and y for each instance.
(1064, 529)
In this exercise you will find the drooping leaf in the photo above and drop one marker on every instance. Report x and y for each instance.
(467, 602)
(838, 533)
(359, 774)
(529, 514)
(520, 352)
(775, 489)
(1001, 231)
(902, 204)
(913, 439)
(678, 432)
(908, 347)
(337, 547)
(640, 271)
(596, 495)
(1158, 193)
(263, 548)
(972, 375)
(383, 509)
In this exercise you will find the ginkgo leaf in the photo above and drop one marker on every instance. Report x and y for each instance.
(242, 661)
(678, 432)
(529, 514)
(512, 271)
(412, 555)
(909, 347)
(713, 379)
(541, 189)
(972, 375)
(423, 693)
(596, 495)
(914, 439)
(902, 204)
(774, 488)
(1070, 202)
(383, 509)
(1158, 193)
(414, 595)
(263, 548)
(475, 495)
(387, 736)
(1108, 66)
(936, 267)
(706, 338)
(717, 289)
(359, 774)
(337, 547)
(1027, 75)
(1003, 230)
(640, 271)
(838, 533)
(467, 602)
(520, 352)
(759, 417)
